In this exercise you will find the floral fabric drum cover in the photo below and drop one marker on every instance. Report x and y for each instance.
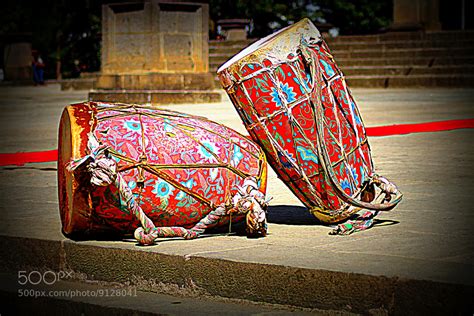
(177, 167)
(294, 101)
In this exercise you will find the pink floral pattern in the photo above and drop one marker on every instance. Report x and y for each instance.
(176, 165)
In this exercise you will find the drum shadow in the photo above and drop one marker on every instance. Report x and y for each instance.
(298, 215)
(291, 215)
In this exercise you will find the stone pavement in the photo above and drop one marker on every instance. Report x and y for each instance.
(419, 257)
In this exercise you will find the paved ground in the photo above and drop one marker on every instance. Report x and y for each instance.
(427, 237)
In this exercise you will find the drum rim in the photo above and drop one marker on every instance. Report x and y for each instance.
(258, 44)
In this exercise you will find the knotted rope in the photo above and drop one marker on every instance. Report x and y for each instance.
(248, 200)
(364, 219)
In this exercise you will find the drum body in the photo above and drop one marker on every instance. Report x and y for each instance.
(294, 101)
(177, 166)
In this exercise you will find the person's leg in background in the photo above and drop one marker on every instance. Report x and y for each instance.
(35, 74)
(40, 75)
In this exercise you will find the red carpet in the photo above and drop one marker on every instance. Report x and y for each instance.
(20, 159)
(419, 127)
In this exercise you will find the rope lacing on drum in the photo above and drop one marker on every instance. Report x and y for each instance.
(248, 200)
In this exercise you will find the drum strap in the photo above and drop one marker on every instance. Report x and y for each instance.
(248, 200)
(389, 195)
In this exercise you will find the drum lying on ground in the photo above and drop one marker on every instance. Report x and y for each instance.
(294, 101)
(177, 166)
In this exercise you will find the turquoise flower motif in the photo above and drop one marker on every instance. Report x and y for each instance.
(346, 185)
(355, 176)
(132, 126)
(188, 184)
(287, 92)
(207, 149)
(132, 185)
(356, 117)
(362, 175)
(327, 68)
(162, 189)
(237, 157)
(307, 154)
(167, 126)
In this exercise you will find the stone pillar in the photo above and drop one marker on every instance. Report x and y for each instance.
(155, 36)
(412, 15)
(159, 45)
(17, 61)
(234, 29)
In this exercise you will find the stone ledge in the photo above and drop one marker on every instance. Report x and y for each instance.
(400, 81)
(156, 96)
(144, 267)
(78, 84)
(69, 296)
(155, 81)
(408, 70)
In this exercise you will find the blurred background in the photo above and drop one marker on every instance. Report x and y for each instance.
(67, 34)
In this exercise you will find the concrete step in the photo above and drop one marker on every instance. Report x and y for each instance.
(350, 46)
(407, 40)
(447, 61)
(156, 96)
(214, 43)
(228, 51)
(157, 81)
(402, 81)
(401, 61)
(404, 36)
(408, 70)
(213, 66)
(153, 269)
(85, 75)
(344, 46)
(70, 296)
(78, 84)
(219, 57)
(405, 53)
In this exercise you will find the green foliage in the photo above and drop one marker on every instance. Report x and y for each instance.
(350, 16)
(358, 16)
